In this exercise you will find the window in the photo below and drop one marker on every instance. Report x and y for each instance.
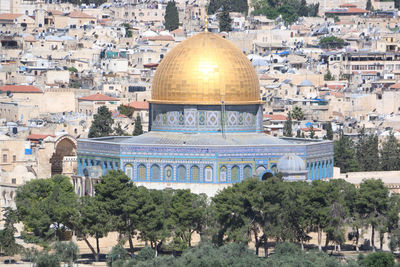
(128, 170)
(222, 174)
(4, 158)
(13, 180)
(14, 158)
(155, 172)
(195, 173)
(142, 172)
(235, 173)
(168, 173)
(181, 173)
(247, 172)
(208, 174)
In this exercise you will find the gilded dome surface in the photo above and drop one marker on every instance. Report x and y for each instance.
(205, 69)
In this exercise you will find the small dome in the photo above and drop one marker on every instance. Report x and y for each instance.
(291, 163)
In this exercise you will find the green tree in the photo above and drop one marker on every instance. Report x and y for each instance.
(297, 113)
(102, 123)
(138, 126)
(372, 204)
(119, 131)
(187, 215)
(225, 21)
(328, 76)
(312, 132)
(298, 133)
(66, 252)
(7, 239)
(92, 221)
(331, 42)
(329, 131)
(287, 128)
(171, 17)
(367, 151)
(117, 255)
(154, 215)
(377, 259)
(44, 259)
(46, 207)
(345, 154)
(369, 5)
(390, 154)
(126, 110)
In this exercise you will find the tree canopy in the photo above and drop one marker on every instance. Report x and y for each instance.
(171, 17)
(102, 123)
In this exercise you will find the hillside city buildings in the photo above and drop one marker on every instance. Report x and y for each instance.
(59, 63)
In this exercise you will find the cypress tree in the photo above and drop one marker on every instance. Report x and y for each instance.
(171, 17)
(287, 128)
(369, 5)
(102, 123)
(329, 131)
(138, 126)
(225, 21)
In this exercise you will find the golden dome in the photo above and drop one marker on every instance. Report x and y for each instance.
(205, 69)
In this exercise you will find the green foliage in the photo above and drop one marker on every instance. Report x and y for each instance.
(240, 6)
(312, 132)
(329, 131)
(45, 259)
(117, 253)
(335, 17)
(7, 240)
(345, 154)
(289, 10)
(102, 123)
(225, 21)
(119, 131)
(138, 126)
(146, 253)
(367, 151)
(369, 5)
(287, 128)
(128, 32)
(75, 84)
(72, 69)
(328, 76)
(297, 113)
(126, 110)
(331, 42)
(390, 154)
(43, 203)
(171, 16)
(377, 259)
(66, 252)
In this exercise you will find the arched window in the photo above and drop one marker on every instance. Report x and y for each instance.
(260, 170)
(222, 174)
(247, 172)
(128, 170)
(195, 174)
(208, 174)
(141, 172)
(155, 172)
(235, 171)
(168, 173)
(181, 173)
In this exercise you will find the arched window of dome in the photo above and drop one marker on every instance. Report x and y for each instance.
(155, 172)
(141, 172)
(222, 174)
(235, 172)
(129, 170)
(195, 173)
(247, 171)
(181, 173)
(208, 174)
(168, 173)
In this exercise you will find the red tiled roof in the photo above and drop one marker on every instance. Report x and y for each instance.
(266, 77)
(275, 117)
(140, 105)
(79, 14)
(160, 38)
(98, 97)
(39, 136)
(348, 5)
(9, 16)
(20, 89)
(178, 31)
(309, 129)
(395, 86)
(150, 65)
(335, 86)
(55, 12)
